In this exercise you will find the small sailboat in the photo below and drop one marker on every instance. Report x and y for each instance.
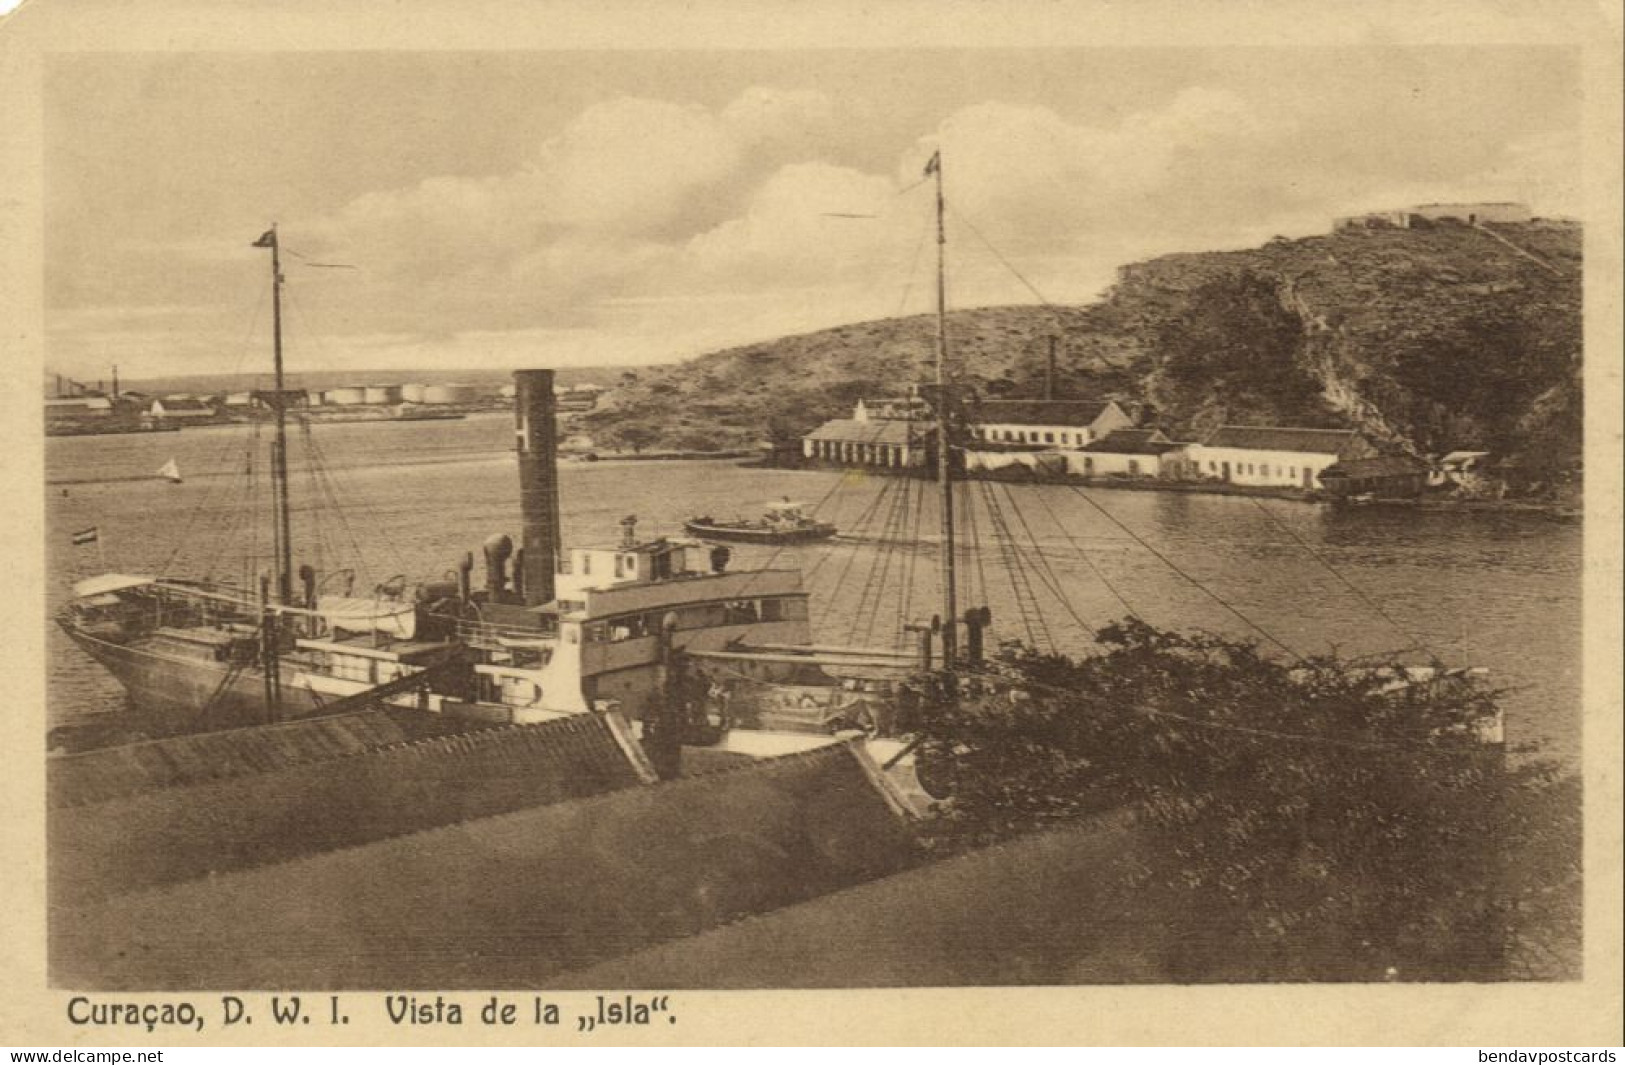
(170, 472)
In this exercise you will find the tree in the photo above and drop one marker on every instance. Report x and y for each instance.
(1303, 821)
(1234, 344)
(636, 435)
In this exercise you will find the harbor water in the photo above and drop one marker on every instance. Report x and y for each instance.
(403, 501)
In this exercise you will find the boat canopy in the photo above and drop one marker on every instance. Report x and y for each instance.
(107, 583)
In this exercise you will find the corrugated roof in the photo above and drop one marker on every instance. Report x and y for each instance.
(177, 834)
(1272, 438)
(882, 431)
(506, 901)
(1072, 412)
(1133, 442)
(133, 768)
(1006, 914)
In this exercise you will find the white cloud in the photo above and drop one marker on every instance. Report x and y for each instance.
(645, 229)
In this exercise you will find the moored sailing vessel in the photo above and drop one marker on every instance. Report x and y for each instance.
(559, 633)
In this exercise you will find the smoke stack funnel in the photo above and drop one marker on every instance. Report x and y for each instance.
(538, 482)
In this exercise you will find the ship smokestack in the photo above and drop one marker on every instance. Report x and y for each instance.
(538, 482)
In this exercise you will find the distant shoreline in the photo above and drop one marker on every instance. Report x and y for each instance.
(1556, 510)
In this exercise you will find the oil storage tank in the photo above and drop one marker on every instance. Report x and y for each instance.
(345, 396)
(450, 393)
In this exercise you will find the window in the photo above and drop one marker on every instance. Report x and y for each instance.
(1049, 438)
(586, 564)
(1293, 473)
(1212, 467)
(739, 612)
(1133, 467)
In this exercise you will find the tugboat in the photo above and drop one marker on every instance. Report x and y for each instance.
(784, 522)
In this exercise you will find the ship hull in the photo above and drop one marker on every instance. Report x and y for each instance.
(742, 535)
(171, 695)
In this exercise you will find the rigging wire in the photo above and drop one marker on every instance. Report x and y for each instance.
(913, 269)
(1041, 564)
(1417, 644)
(862, 526)
(1204, 589)
(896, 526)
(1003, 261)
(1022, 592)
(1085, 555)
(812, 512)
(905, 602)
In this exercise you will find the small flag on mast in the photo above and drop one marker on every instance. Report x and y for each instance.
(266, 241)
(934, 164)
(86, 536)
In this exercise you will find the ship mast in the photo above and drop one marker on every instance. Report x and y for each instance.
(283, 533)
(945, 479)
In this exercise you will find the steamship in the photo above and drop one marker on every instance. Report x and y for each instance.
(549, 633)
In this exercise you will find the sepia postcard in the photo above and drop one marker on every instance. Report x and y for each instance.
(1001, 523)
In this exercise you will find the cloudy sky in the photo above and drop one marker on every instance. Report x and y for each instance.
(579, 208)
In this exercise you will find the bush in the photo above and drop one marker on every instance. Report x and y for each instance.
(1307, 821)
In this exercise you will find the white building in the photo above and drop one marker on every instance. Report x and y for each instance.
(180, 407)
(1471, 214)
(874, 442)
(77, 405)
(1125, 453)
(1270, 456)
(1062, 423)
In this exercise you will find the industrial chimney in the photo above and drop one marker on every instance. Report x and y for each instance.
(538, 482)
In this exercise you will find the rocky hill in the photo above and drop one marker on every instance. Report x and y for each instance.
(1431, 339)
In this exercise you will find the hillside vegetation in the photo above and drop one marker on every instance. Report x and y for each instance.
(1429, 339)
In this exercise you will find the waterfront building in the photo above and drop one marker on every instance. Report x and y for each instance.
(891, 443)
(1381, 476)
(1126, 453)
(892, 433)
(179, 408)
(1274, 457)
(1062, 423)
(76, 406)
